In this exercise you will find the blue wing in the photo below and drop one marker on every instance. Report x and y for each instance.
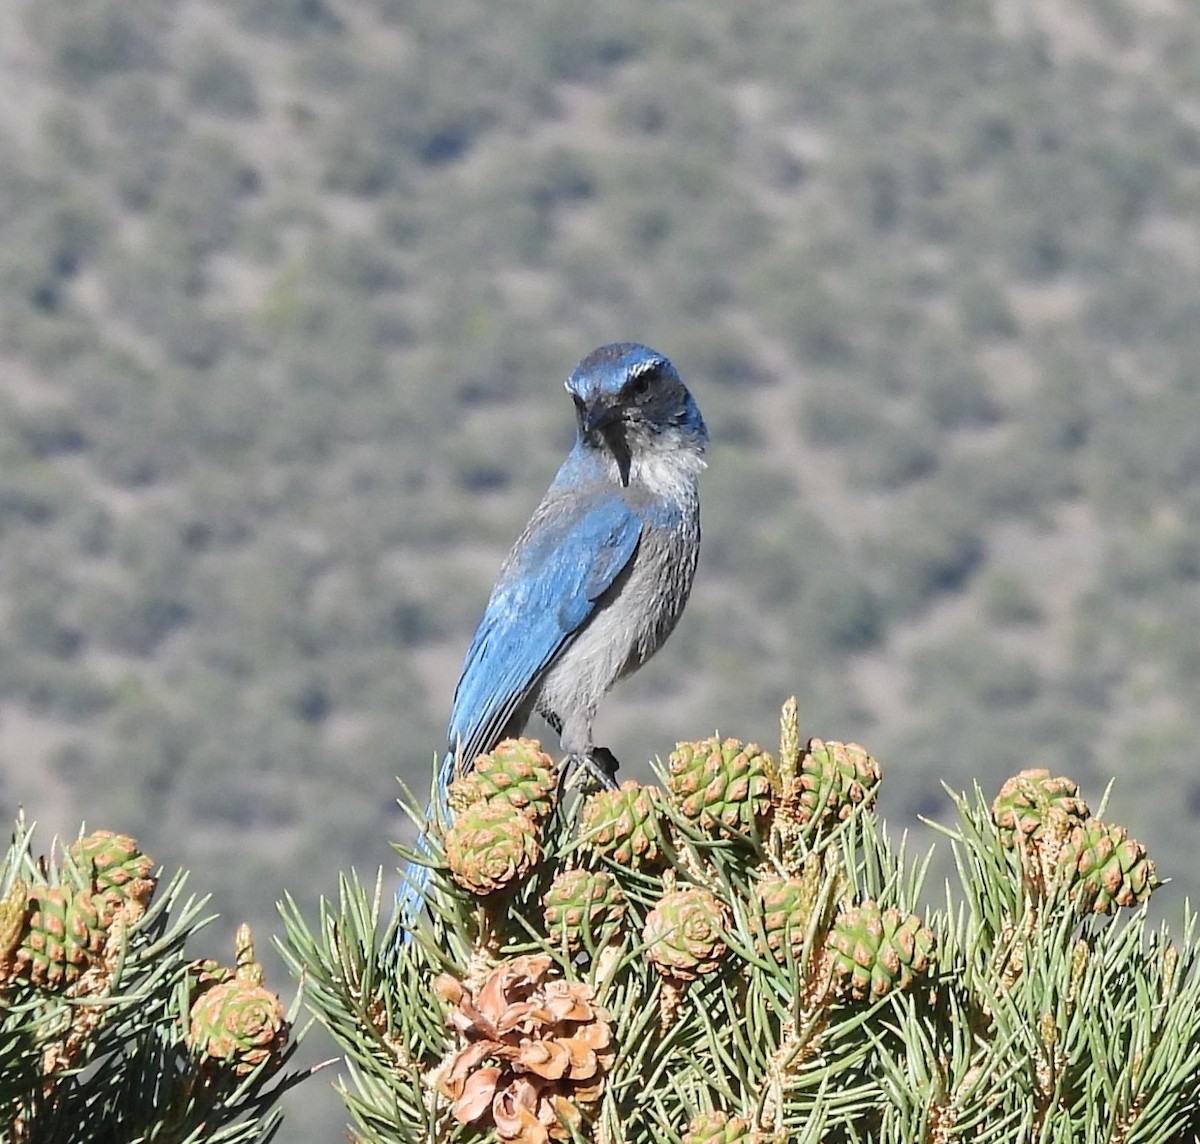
(549, 588)
(565, 561)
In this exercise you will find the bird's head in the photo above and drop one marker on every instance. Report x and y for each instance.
(631, 402)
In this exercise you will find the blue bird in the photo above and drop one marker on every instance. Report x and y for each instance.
(597, 580)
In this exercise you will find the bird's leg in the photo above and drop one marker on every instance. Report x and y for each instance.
(602, 765)
(599, 764)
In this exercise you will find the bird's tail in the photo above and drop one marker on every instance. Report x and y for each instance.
(410, 897)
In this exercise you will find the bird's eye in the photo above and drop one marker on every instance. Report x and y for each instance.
(639, 386)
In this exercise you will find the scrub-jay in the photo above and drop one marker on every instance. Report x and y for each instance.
(599, 577)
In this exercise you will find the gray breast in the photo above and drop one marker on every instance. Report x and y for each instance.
(635, 616)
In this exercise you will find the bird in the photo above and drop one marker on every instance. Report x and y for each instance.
(597, 580)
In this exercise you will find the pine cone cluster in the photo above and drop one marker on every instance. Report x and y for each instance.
(50, 935)
(1102, 868)
(632, 852)
(533, 1051)
(500, 809)
(739, 882)
(105, 1026)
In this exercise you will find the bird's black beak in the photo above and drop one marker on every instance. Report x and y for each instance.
(604, 418)
(600, 416)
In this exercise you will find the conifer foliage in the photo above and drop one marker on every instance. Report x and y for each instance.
(742, 954)
(108, 1032)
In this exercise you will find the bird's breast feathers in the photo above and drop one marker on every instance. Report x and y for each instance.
(630, 623)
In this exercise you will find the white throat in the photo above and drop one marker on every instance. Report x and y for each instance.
(667, 472)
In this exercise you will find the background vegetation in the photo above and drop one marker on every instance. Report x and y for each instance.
(287, 290)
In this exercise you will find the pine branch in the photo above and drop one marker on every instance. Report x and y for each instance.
(108, 1032)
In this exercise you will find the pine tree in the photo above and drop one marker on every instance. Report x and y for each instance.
(742, 954)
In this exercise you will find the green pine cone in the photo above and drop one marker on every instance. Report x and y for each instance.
(117, 868)
(623, 825)
(685, 933)
(834, 778)
(722, 782)
(584, 908)
(491, 846)
(63, 933)
(785, 908)
(237, 1025)
(873, 951)
(719, 1128)
(1110, 869)
(1029, 801)
(515, 771)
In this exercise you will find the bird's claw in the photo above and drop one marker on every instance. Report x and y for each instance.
(600, 766)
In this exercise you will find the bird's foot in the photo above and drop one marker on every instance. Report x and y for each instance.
(600, 765)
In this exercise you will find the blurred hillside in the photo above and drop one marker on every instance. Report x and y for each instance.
(288, 289)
